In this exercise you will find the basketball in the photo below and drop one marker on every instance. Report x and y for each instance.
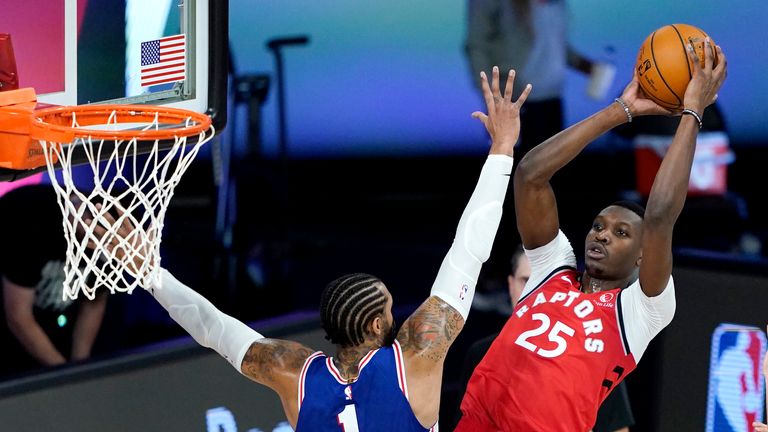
(663, 67)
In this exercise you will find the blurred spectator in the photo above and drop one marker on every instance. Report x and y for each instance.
(529, 36)
(43, 328)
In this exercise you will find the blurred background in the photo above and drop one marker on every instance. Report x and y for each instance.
(352, 149)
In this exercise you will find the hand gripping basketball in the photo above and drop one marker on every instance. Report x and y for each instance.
(707, 80)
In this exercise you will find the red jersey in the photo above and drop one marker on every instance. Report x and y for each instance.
(561, 352)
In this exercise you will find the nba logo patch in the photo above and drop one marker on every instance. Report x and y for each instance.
(736, 384)
(463, 291)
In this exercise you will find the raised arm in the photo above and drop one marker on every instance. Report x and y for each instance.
(427, 334)
(535, 206)
(670, 186)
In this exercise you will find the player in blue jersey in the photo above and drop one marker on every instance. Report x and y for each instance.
(375, 381)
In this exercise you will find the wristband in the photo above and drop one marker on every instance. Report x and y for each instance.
(624, 106)
(694, 114)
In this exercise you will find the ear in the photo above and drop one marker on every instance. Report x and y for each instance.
(639, 260)
(377, 326)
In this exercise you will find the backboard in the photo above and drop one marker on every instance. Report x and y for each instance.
(159, 52)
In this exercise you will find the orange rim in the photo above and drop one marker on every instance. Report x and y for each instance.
(55, 124)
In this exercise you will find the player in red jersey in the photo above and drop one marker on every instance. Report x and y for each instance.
(573, 337)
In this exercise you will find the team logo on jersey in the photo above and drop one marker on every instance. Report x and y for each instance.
(605, 300)
(348, 392)
(735, 397)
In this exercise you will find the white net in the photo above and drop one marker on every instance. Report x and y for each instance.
(133, 183)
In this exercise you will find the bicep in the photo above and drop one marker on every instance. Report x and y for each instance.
(535, 211)
(275, 363)
(428, 333)
(656, 264)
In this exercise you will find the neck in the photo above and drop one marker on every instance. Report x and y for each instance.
(347, 359)
(591, 284)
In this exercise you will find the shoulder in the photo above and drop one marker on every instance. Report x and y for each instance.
(549, 259)
(640, 310)
(558, 252)
(634, 294)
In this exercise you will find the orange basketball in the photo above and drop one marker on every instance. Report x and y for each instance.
(663, 67)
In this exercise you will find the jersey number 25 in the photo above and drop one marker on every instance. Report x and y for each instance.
(554, 336)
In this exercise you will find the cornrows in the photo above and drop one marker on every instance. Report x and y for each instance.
(347, 305)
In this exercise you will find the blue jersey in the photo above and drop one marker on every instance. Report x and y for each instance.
(376, 401)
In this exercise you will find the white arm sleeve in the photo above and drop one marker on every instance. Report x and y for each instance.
(456, 280)
(644, 317)
(206, 324)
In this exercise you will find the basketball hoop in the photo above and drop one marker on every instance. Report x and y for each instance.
(126, 190)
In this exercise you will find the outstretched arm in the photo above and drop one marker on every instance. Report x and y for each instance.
(427, 334)
(670, 186)
(454, 286)
(275, 363)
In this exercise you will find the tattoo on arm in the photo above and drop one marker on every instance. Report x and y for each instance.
(269, 360)
(431, 330)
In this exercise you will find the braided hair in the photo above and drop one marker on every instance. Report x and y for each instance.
(348, 305)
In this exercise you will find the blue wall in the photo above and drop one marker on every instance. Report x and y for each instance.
(391, 78)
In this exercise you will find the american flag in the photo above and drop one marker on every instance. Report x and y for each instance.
(163, 60)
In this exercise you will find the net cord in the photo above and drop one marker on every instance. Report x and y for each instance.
(140, 201)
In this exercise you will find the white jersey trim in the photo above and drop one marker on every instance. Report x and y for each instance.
(303, 377)
(400, 366)
(360, 365)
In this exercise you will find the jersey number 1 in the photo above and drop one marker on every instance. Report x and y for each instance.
(348, 419)
(554, 336)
